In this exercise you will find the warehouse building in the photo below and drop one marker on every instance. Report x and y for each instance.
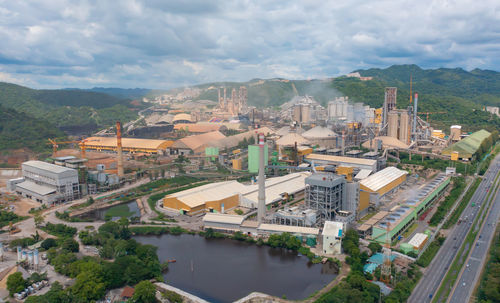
(357, 163)
(131, 145)
(218, 197)
(332, 237)
(400, 218)
(48, 183)
(468, 146)
(277, 189)
(222, 196)
(279, 229)
(376, 186)
(222, 222)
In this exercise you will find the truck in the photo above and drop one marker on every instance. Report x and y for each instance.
(473, 204)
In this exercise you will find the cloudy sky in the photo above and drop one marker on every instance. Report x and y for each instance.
(166, 43)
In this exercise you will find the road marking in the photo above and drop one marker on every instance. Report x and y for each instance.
(475, 259)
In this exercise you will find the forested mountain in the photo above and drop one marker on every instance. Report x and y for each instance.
(75, 111)
(20, 130)
(124, 93)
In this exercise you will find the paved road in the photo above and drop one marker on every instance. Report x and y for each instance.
(471, 271)
(436, 271)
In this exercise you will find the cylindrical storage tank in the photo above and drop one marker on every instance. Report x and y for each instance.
(19, 255)
(101, 177)
(23, 255)
(36, 259)
(30, 257)
(311, 241)
(100, 167)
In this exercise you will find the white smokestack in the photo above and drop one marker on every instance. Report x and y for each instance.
(261, 207)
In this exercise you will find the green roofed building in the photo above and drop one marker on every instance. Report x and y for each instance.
(468, 146)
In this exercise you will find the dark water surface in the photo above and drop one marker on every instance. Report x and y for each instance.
(222, 270)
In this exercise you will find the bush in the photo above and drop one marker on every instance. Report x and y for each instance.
(16, 283)
(60, 230)
(48, 243)
(172, 297)
(70, 245)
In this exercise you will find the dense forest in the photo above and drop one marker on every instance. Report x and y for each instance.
(20, 130)
(68, 110)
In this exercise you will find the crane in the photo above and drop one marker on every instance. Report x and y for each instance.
(81, 143)
(428, 113)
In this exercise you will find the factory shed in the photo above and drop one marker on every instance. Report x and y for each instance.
(279, 229)
(222, 222)
(387, 142)
(468, 146)
(277, 188)
(290, 140)
(131, 145)
(379, 184)
(358, 163)
(196, 143)
(215, 196)
(227, 125)
(182, 118)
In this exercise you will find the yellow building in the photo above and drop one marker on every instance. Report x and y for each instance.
(379, 184)
(131, 145)
(216, 196)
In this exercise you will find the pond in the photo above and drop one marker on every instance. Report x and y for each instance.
(130, 209)
(223, 270)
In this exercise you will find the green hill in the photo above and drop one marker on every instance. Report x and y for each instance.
(19, 130)
(75, 111)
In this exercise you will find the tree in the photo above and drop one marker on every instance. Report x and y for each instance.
(145, 292)
(88, 287)
(38, 219)
(375, 247)
(16, 283)
(71, 245)
(48, 243)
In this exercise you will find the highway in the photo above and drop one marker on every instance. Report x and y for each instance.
(435, 272)
(472, 269)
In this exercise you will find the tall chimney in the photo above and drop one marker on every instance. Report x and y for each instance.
(261, 207)
(119, 148)
(415, 109)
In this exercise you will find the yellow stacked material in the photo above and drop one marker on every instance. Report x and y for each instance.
(438, 134)
(303, 150)
(454, 156)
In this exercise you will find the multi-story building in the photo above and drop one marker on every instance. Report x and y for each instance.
(48, 183)
(325, 193)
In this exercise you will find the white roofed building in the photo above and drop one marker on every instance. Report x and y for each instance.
(48, 183)
(374, 187)
(332, 237)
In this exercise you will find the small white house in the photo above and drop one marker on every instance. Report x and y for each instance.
(332, 237)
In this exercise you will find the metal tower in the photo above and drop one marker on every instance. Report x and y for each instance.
(385, 272)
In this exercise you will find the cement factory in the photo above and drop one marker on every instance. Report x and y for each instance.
(309, 170)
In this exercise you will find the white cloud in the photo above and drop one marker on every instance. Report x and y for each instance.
(163, 44)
